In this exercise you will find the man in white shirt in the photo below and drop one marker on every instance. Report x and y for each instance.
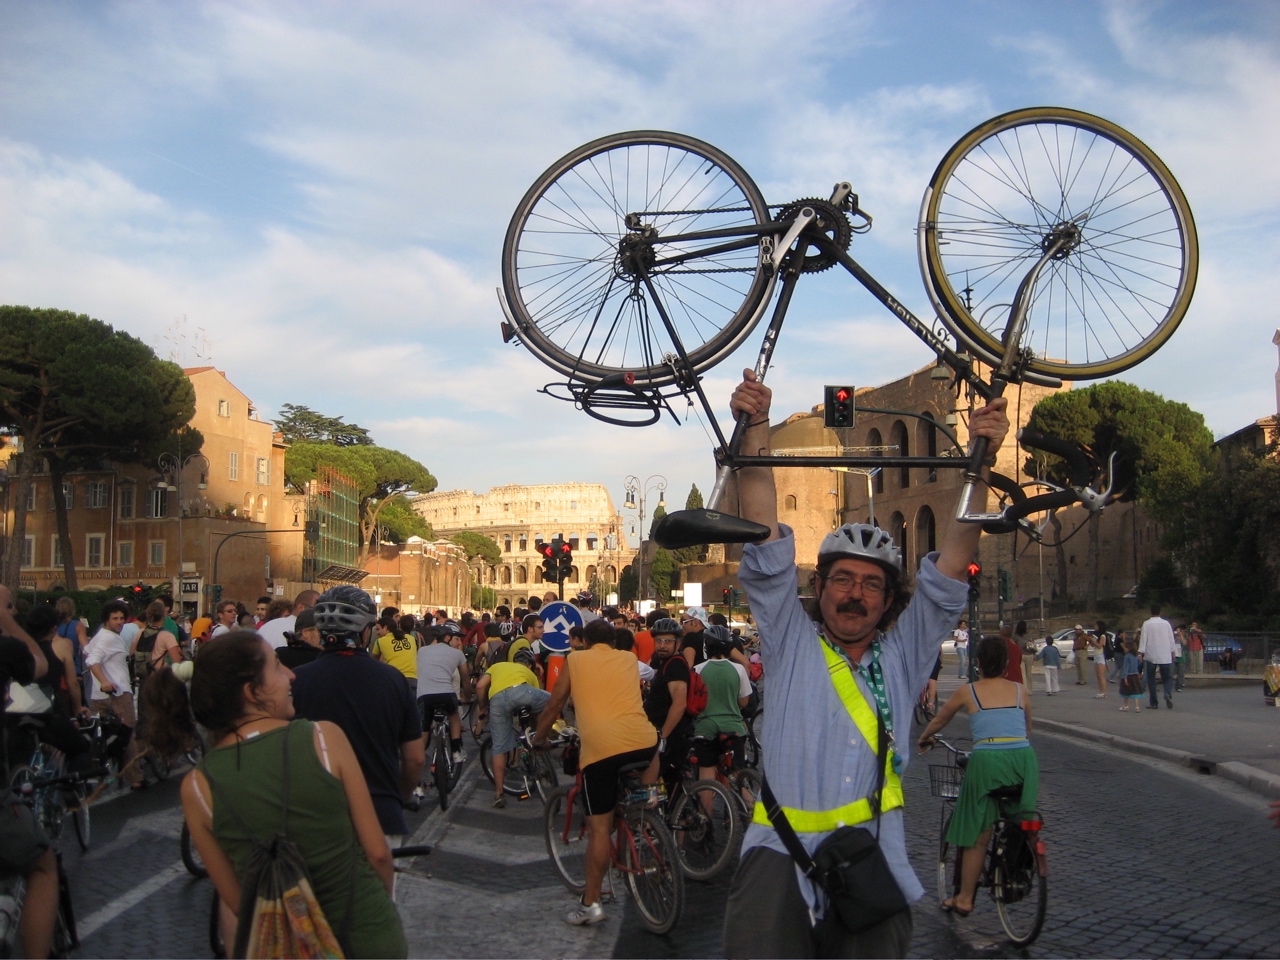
(273, 631)
(106, 661)
(1156, 647)
(224, 617)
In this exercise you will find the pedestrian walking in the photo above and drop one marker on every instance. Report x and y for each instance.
(1080, 648)
(1156, 645)
(960, 636)
(1051, 660)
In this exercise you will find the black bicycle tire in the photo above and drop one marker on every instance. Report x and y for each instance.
(950, 302)
(190, 855)
(688, 823)
(656, 373)
(1040, 885)
(65, 935)
(648, 834)
(80, 817)
(553, 824)
(159, 766)
(948, 879)
(486, 764)
(216, 946)
(440, 771)
(747, 806)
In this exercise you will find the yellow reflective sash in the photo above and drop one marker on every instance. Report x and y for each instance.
(864, 718)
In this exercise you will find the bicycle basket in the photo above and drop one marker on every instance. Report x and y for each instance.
(945, 779)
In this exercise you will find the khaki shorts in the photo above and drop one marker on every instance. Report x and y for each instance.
(121, 706)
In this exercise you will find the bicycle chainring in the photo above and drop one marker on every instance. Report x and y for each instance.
(831, 221)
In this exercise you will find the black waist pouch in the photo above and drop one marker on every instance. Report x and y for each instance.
(852, 871)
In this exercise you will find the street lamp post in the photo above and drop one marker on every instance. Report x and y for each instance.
(171, 470)
(637, 491)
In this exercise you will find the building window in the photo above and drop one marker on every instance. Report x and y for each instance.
(524, 543)
(506, 544)
(94, 553)
(537, 504)
(157, 502)
(95, 494)
(28, 551)
(126, 503)
(789, 502)
(125, 551)
(573, 504)
(224, 408)
(31, 498)
(477, 509)
(57, 550)
(573, 541)
(264, 472)
(506, 508)
(898, 439)
(233, 466)
(156, 558)
(591, 541)
(68, 496)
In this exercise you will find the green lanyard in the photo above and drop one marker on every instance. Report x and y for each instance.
(874, 677)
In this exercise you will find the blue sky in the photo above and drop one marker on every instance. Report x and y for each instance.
(323, 187)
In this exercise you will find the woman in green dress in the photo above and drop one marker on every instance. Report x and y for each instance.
(241, 694)
(1000, 723)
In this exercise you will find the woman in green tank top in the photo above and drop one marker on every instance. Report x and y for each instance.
(241, 693)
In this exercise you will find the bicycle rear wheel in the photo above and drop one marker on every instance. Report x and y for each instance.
(80, 815)
(1011, 185)
(706, 827)
(608, 216)
(440, 764)
(565, 830)
(190, 855)
(746, 789)
(1020, 892)
(948, 860)
(653, 871)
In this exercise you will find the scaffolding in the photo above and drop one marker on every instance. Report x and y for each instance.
(333, 503)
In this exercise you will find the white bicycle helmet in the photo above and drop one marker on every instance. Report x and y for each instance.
(342, 613)
(864, 541)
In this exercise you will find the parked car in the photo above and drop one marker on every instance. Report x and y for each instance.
(1215, 643)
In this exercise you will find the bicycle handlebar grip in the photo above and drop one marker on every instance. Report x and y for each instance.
(1044, 501)
(1080, 464)
(976, 456)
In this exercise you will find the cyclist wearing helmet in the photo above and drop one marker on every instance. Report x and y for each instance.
(728, 690)
(858, 668)
(367, 699)
(668, 693)
(439, 661)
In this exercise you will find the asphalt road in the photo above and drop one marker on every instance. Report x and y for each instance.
(1146, 860)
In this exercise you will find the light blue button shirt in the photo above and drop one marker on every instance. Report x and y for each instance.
(813, 755)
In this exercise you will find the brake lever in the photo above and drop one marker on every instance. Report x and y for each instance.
(1093, 500)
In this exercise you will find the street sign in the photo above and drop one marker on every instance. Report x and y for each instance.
(557, 618)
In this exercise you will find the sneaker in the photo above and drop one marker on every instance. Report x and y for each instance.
(459, 758)
(583, 915)
(499, 802)
(1168, 703)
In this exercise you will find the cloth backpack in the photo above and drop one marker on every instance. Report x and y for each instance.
(140, 661)
(695, 700)
(279, 913)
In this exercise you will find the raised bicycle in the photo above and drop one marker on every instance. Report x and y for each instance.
(1053, 244)
(643, 850)
(1016, 869)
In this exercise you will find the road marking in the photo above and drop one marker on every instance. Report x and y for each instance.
(104, 915)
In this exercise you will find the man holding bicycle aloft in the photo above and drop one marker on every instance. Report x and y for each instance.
(839, 690)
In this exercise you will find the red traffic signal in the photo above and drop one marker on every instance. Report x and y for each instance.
(546, 549)
(136, 589)
(975, 569)
(566, 549)
(837, 407)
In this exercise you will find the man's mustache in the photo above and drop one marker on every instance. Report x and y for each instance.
(852, 606)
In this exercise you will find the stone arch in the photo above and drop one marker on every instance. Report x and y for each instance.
(898, 438)
(611, 573)
(898, 530)
(927, 441)
(246, 509)
(522, 574)
(260, 510)
(789, 503)
(506, 576)
(926, 533)
(591, 574)
(874, 439)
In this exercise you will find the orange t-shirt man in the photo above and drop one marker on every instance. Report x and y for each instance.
(644, 646)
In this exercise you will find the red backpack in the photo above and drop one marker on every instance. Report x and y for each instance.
(695, 700)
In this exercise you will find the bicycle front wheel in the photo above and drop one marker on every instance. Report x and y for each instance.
(1011, 187)
(80, 816)
(654, 874)
(619, 222)
(440, 771)
(746, 784)
(948, 861)
(707, 828)
(1020, 892)
(565, 827)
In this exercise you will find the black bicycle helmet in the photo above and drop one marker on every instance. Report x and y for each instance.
(524, 656)
(342, 615)
(666, 625)
(717, 641)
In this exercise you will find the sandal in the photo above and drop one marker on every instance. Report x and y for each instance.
(949, 906)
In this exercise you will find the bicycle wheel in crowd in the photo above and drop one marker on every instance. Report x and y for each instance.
(653, 871)
(565, 829)
(1013, 184)
(440, 764)
(948, 861)
(513, 780)
(609, 228)
(80, 815)
(190, 855)
(65, 936)
(1020, 892)
(707, 828)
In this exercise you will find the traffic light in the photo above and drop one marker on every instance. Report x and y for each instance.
(311, 532)
(975, 575)
(550, 566)
(1005, 580)
(837, 406)
(565, 556)
(135, 592)
(728, 596)
(217, 593)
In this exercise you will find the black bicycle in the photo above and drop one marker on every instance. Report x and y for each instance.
(13, 890)
(1053, 245)
(1016, 869)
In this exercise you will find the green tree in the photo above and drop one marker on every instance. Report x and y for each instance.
(628, 586)
(301, 424)
(381, 475)
(399, 521)
(478, 545)
(694, 553)
(1163, 450)
(663, 573)
(658, 513)
(75, 388)
(483, 598)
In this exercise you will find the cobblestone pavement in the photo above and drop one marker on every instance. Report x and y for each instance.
(1146, 860)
